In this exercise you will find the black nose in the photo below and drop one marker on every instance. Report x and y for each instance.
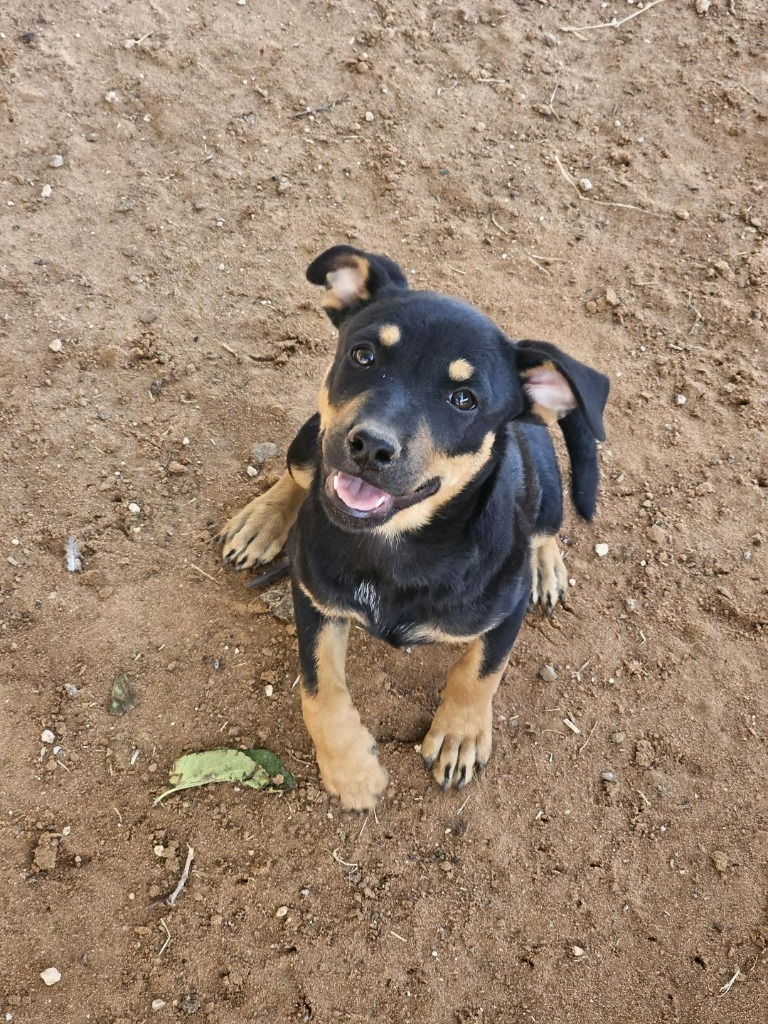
(372, 448)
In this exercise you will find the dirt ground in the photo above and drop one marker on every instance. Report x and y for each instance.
(155, 324)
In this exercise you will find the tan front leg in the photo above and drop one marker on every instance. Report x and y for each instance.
(346, 751)
(550, 580)
(258, 532)
(460, 737)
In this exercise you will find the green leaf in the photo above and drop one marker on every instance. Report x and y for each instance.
(256, 769)
(122, 698)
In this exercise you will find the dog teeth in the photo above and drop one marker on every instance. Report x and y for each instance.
(381, 501)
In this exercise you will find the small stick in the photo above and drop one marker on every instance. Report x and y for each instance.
(613, 23)
(397, 936)
(491, 81)
(364, 824)
(184, 878)
(586, 741)
(308, 111)
(726, 988)
(167, 941)
(456, 270)
(338, 860)
(230, 350)
(497, 225)
(642, 794)
(600, 202)
(204, 573)
(580, 670)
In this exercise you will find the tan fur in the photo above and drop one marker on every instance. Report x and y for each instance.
(455, 472)
(346, 751)
(461, 731)
(332, 611)
(548, 571)
(389, 334)
(260, 530)
(331, 415)
(460, 370)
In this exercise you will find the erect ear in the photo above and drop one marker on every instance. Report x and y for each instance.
(352, 278)
(555, 383)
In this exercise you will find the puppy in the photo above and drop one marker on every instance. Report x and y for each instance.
(421, 501)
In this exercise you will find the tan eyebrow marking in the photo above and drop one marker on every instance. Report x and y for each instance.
(460, 369)
(389, 334)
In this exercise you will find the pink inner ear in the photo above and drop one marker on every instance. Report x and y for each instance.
(549, 389)
(346, 283)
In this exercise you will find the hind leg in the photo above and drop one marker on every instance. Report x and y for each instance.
(550, 580)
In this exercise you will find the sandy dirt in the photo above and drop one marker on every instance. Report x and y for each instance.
(155, 324)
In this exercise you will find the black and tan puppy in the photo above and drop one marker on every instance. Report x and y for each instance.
(421, 501)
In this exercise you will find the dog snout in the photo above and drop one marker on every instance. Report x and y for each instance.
(371, 447)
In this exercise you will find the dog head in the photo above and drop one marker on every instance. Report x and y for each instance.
(414, 407)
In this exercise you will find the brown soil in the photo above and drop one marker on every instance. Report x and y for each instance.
(169, 260)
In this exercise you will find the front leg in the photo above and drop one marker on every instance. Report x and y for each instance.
(460, 737)
(346, 751)
(258, 532)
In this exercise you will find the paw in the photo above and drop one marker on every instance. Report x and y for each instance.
(458, 743)
(259, 531)
(353, 772)
(550, 580)
(254, 535)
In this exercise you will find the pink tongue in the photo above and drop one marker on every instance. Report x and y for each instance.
(357, 494)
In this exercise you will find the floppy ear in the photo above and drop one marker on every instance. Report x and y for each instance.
(555, 383)
(352, 278)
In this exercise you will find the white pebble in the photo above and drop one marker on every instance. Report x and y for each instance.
(680, 399)
(571, 582)
(185, 441)
(57, 160)
(601, 550)
(159, 850)
(577, 951)
(46, 736)
(55, 345)
(50, 975)
(111, 96)
(368, 115)
(585, 185)
(281, 911)
(46, 191)
(251, 471)
(134, 508)
(269, 689)
(158, 1004)
(67, 830)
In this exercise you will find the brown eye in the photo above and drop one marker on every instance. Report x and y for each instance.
(363, 355)
(463, 400)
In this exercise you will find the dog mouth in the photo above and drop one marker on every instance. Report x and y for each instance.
(362, 501)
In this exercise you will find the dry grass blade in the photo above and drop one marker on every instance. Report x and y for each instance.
(610, 24)
(599, 202)
(184, 878)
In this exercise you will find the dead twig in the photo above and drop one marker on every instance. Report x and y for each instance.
(204, 573)
(346, 863)
(600, 202)
(167, 942)
(183, 880)
(309, 111)
(613, 23)
(726, 988)
(589, 737)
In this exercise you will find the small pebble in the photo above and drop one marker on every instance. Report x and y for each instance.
(46, 736)
(601, 550)
(547, 673)
(176, 468)
(269, 689)
(50, 975)
(585, 185)
(682, 214)
(630, 604)
(159, 850)
(158, 1004)
(611, 297)
(133, 508)
(251, 471)
(680, 399)
(55, 345)
(577, 951)
(281, 911)
(57, 160)
(702, 6)
(617, 737)
(368, 115)
(46, 192)
(608, 777)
